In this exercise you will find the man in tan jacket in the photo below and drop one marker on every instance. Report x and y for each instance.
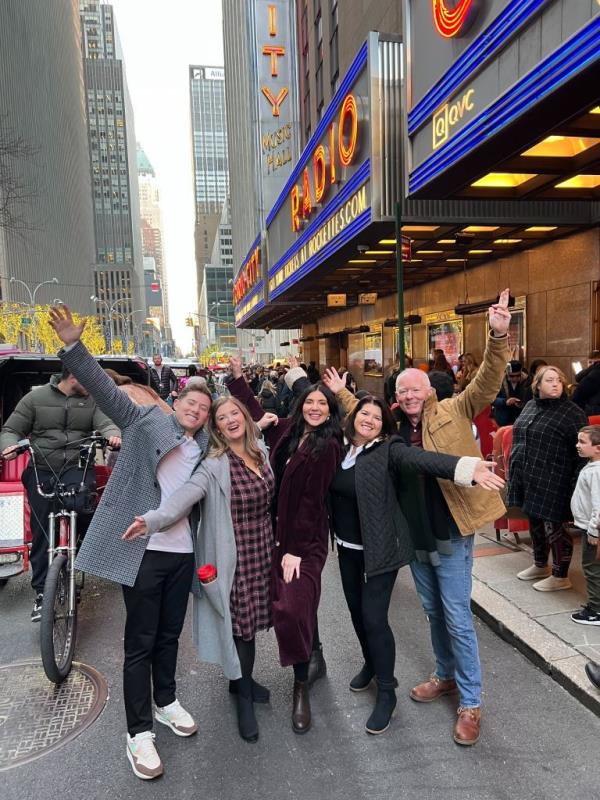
(442, 575)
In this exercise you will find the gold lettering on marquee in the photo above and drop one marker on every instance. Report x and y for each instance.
(340, 220)
(446, 117)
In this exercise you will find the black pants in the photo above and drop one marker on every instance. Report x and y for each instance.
(40, 508)
(156, 606)
(369, 603)
(551, 536)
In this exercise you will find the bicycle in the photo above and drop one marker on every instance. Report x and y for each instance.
(58, 624)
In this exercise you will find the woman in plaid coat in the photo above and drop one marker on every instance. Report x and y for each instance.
(543, 468)
(235, 485)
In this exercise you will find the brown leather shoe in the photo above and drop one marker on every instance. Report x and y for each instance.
(432, 689)
(468, 724)
(301, 719)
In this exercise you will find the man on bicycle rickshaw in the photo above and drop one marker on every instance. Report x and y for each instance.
(56, 418)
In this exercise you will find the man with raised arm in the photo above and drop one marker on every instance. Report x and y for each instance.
(443, 518)
(159, 453)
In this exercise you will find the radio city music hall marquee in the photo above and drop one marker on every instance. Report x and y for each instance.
(341, 149)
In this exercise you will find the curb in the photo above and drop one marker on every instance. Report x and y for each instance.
(552, 655)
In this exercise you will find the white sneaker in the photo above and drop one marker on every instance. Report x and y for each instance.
(174, 716)
(142, 755)
(533, 573)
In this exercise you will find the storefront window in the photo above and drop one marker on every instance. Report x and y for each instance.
(445, 332)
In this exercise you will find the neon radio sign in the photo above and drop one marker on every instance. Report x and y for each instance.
(454, 21)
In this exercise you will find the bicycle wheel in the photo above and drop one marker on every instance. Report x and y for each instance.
(58, 628)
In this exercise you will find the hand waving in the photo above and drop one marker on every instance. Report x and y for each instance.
(235, 365)
(332, 380)
(499, 315)
(65, 327)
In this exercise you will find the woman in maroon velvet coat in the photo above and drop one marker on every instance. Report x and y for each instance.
(305, 454)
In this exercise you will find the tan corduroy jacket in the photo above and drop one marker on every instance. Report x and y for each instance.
(447, 429)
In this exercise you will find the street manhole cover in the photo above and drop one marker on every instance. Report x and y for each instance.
(36, 716)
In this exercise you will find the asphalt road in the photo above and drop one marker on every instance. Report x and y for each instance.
(537, 741)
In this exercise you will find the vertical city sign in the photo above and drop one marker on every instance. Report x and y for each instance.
(277, 100)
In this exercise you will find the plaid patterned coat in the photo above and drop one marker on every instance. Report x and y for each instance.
(148, 434)
(543, 463)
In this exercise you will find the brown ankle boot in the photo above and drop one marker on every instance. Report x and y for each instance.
(301, 719)
(432, 689)
(468, 724)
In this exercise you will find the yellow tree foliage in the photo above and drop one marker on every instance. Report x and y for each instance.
(20, 327)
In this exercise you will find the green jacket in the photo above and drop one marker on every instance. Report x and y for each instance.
(55, 424)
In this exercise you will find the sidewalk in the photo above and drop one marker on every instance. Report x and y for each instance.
(537, 623)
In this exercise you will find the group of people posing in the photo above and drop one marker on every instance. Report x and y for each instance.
(201, 487)
(239, 506)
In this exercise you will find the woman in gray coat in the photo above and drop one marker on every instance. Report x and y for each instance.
(235, 485)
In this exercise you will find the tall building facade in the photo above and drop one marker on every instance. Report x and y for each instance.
(329, 34)
(118, 273)
(263, 131)
(211, 170)
(46, 225)
(216, 299)
(152, 247)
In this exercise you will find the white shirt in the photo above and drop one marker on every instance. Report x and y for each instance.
(173, 471)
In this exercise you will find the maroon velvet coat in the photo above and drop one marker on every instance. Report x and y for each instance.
(302, 529)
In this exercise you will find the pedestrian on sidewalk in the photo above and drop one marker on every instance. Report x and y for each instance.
(442, 574)
(158, 454)
(305, 454)
(372, 534)
(585, 505)
(235, 486)
(542, 472)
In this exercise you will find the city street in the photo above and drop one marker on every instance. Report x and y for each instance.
(537, 741)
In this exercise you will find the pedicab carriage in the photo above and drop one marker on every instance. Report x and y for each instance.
(20, 373)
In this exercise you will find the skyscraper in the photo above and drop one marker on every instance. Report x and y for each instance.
(46, 225)
(211, 169)
(262, 116)
(119, 275)
(152, 245)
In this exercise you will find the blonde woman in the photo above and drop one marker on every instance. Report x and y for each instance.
(235, 486)
(543, 468)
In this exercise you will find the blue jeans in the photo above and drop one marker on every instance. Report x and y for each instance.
(445, 592)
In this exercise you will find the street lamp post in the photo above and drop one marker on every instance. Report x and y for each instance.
(126, 320)
(32, 294)
(111, 311)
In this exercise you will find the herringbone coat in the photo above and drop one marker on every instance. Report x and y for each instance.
(148, 434)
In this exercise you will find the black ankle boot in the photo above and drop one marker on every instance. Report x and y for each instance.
(363, 680)
(379, 721)
(317, 668)
(247, 724)
(260, 694)
(301, 716)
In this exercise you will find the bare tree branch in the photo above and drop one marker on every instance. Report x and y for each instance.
(15, 195)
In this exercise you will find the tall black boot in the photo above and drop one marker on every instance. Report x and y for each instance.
(379, 721)
(260, 693)
(247, 724)
(301, 716)
(317, 668)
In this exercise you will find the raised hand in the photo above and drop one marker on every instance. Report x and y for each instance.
(486, 478)
(499, 315)
(293, 362)
(268, 419)
(332, 380)
(235, 365)
(65, 327)
(136, 529)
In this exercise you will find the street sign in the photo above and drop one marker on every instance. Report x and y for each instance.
(334, 300)
(367, 298)
(25, 321)
(406, 248)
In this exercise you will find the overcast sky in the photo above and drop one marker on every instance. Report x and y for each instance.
(160, 39)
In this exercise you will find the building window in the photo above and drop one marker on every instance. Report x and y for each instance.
(334, 58)
(319, 57)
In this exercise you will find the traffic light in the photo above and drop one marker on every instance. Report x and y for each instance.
(189, 321)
